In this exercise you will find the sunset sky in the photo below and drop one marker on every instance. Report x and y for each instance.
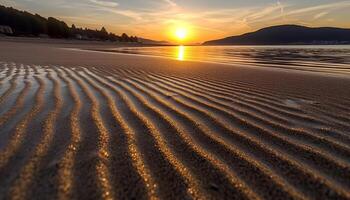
(203, 19)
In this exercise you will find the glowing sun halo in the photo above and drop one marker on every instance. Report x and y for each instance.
(181, 33)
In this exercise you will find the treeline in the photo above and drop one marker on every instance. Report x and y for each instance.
(26, 24)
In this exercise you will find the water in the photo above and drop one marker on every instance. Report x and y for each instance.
(326, 59)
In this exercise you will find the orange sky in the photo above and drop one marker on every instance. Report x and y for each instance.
(203, 19)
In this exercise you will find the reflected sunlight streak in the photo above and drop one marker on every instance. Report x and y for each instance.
(181, 53)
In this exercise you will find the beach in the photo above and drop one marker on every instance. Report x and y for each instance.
(82, 124)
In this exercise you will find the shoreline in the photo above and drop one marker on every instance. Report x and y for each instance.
(52, 54)
(57, 41)
(289, 67)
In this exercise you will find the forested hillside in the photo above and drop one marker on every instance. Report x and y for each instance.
(33, 25)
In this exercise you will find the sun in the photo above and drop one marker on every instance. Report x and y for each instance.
(181, 33)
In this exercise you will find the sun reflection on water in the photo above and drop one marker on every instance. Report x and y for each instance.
(181, 53)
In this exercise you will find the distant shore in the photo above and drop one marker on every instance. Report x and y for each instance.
(75, 42)
(84, 43)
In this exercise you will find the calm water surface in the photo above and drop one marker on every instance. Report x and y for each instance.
(327, 59)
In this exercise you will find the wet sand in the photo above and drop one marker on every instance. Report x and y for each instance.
(95, 125)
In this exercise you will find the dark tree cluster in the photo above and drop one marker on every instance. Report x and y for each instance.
(57, 28)
(23, 23)
(88, 34)
(26, 24)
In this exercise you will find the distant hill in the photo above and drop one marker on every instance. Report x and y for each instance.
(288, 34)
(154, 42)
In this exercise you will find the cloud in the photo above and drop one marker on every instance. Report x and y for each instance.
(320, 15)
(331, 6)
(170, 2)
(281, 6)
(264, 12)
(104, 3)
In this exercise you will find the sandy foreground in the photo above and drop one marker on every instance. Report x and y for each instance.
(93, 125)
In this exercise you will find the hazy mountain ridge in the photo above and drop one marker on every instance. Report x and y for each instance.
(154, 42)
(288, 34)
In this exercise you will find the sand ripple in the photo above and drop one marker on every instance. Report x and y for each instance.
(102, 133)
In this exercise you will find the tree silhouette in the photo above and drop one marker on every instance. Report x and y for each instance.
(57, 29)
(26, 24)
